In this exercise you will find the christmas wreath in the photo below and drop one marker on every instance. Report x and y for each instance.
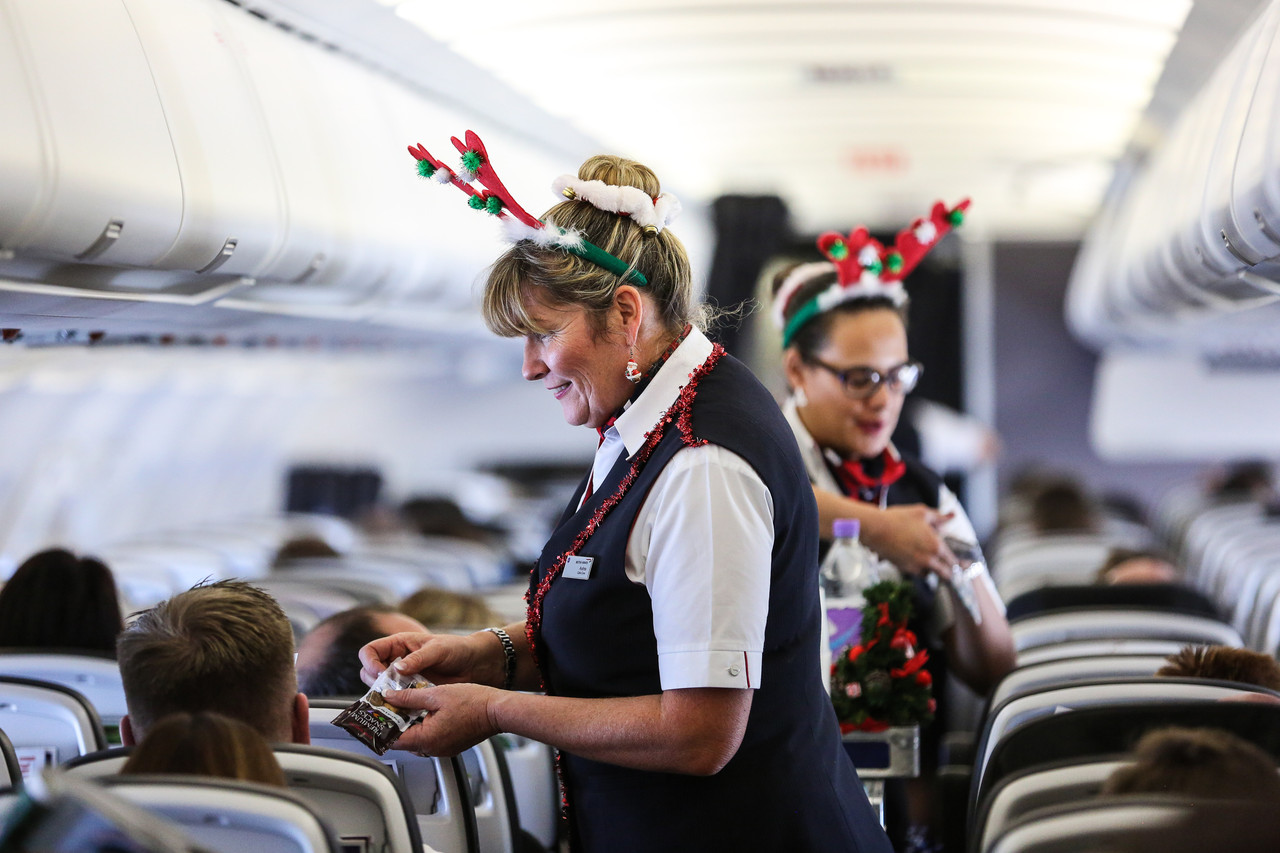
(881, 681)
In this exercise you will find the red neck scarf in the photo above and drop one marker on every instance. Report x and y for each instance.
(857, 483)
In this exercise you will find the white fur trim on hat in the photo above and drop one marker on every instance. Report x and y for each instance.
(623, 200)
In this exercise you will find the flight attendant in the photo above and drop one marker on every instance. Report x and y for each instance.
(848, 368)
(673, 616)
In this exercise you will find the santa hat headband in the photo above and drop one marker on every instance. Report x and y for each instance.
(864, 267)
(651, 214)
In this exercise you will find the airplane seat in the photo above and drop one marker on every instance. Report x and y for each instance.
(94, 676)
(10, 770)
(363, 798)
(1061, 672)
(496, 809)
(438, 788)
(1018, 711)
(1101, 824)
(534, 786)
(1097, 648)
(374, 580)
(1173, 597)
(1094, 623)
(1104, 730)
(228, 816)
(47, 723)
(1035, 788)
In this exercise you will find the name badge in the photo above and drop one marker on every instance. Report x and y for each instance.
(578, 568)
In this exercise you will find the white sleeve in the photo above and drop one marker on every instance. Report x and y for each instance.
(702, 545)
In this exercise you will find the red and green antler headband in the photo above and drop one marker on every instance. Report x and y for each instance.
(496, 200)
(864, 267)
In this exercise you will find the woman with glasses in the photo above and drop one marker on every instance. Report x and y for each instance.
(849, 371)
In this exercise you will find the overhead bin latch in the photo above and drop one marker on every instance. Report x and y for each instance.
(224, 255)
(105, 241)
(316, 263)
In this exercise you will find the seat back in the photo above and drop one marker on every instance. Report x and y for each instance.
(1103, 824)
(1020, 710)
(1033, 789)
(438, 789)
(231, 817)
(1092, 733)
(1025, 679)
(10, 772)
(47, 723)
(534, 786)
(1158, 596)
(365, 802)
(1098, 648)
(1062, 626)
(489, 781)
(96, 677)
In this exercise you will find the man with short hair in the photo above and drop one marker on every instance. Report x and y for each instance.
(329, 656)
(225, 647)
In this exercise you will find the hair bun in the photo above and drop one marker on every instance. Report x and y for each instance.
(620, 172)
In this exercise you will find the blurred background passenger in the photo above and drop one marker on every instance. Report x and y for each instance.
(329, 656)
(1200, 763)
(205, 744)
(303, 548)
(1061, 505)
(56, 600)
(1223, 663)
(1135, 565)
(436, 515)
(443, 610)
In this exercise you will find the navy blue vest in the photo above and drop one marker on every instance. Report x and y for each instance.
(791, 785)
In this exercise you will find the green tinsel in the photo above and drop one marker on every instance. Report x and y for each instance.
(839, 251)
(425, 169)
(472, 161)
(476, 202)
(955, 217)
(493, 204)
(894, 261)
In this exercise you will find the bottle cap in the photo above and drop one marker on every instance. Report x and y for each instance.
(846, 528)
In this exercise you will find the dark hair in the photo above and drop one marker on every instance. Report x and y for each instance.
(814, 334)
(1225, 664)
(559, 278)
(56, 600)
(303, 548)
(1062, 506)
(1199, 763)
(224, 646)
(442, 609)
(338, 672)
(205, 744)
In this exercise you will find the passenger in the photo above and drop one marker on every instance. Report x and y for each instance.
(329, 655)
(443, 610)
(1133, 565)
(225, 647)
(205, 744)
(1061, 506)
(674, 622)
(1200, 763)
(57, 601)
(435, 515)
(1223, 663)
(302, 548)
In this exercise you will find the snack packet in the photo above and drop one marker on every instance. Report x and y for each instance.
(372, 720)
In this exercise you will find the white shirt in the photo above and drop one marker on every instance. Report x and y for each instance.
(701, 543)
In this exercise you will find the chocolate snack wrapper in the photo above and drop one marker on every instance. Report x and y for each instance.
(372, 720)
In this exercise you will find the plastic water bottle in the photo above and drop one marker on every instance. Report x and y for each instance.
(846, 571)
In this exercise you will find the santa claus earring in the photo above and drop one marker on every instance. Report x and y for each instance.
(633, 370)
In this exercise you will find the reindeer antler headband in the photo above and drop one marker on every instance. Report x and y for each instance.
(651, 214)
(864, 268)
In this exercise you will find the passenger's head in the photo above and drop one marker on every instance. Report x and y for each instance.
(303, 548)
(225, 647)
(56, 600)
(1224, 664)
(1200, 763)
(830, 360)
(580, 321)
(328, 656)
(442, 610)
(436, 515)
(1063, 506)
(205, 744)
(1132, 565)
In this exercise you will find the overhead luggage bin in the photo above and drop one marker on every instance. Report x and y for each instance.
(232, 211)
(1255, 183)
(102, 174)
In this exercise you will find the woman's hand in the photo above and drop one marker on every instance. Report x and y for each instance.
(909, 537)
(440, 658)
(459, 717)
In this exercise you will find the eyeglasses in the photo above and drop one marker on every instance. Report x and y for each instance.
(863, 382)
